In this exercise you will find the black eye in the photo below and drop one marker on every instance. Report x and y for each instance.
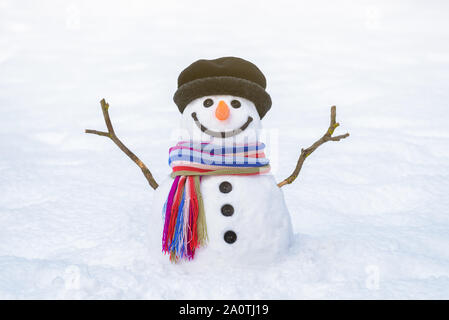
(236, 104)
(208, 102)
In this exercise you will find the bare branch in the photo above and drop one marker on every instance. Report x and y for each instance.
(111, 134)
(100, 133)
(306, 152)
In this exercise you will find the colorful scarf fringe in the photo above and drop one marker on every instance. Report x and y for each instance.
(185, 227)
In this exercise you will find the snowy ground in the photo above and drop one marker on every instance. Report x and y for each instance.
(370, 214)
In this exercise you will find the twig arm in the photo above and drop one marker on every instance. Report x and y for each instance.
(111, 134)
(306, 152)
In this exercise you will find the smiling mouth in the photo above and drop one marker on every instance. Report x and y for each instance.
(222, 134)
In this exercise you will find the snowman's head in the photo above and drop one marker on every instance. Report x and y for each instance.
(222, 99)
(221, 117)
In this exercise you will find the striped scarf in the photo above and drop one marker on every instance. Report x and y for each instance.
(185, 227)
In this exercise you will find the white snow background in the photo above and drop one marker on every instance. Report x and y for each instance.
(370, 213)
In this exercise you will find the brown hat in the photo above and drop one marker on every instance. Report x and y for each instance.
(227, 75)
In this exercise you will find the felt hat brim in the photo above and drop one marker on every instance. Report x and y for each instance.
(223, 85)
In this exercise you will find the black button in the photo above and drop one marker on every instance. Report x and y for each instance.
(230, 236)
(227, 210)
(225, 187)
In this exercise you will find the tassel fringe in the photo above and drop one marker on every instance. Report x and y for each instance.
(185, 221)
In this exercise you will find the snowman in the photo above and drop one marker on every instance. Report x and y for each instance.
(220, 201)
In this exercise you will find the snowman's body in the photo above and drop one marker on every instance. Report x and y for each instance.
(259, 218)
(246, 216)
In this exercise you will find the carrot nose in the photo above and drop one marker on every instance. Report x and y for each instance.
(222, 111)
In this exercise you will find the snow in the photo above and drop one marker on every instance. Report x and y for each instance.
(369, 214)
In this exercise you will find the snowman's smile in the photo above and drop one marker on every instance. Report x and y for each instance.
(222, 134)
